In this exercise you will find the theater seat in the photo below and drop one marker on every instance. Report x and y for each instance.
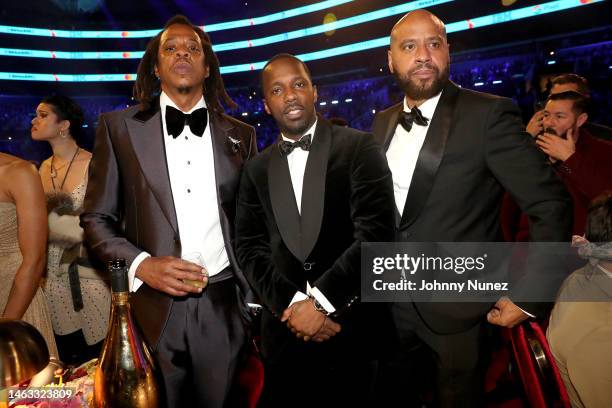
(249, 380)
(539, 375)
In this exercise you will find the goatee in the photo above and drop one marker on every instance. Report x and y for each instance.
(185, 90)
(551, 131)
(420, 90)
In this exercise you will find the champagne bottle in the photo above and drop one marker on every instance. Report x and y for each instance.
(125, 376)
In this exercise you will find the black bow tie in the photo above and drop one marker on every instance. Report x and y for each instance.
(406, 119)
(287, 147)
(176, 121)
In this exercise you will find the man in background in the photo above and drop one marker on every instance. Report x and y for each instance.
(563, 83)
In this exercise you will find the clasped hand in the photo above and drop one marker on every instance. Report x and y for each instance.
(307, 323)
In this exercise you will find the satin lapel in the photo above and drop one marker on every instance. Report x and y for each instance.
(392, 123)
(282, 198)
(430, 156)
(147, 139)
(313, 190)
(227, 162)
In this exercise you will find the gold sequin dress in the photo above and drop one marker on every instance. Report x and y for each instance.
(10, 259)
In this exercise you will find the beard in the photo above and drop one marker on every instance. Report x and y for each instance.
(184, 90)
(419, 90)
(562, 135)
(295, 129)
(551, 131)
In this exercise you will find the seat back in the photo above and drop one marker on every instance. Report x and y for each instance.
(541, 380)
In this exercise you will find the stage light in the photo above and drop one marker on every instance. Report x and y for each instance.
(334, 102)
(478, 83)
(330, 18)
(322, 103)
(245, 113)
(348, 100)
(551, 62)
(478, 22)
(228, 25)
(497, 81)
(234, 45)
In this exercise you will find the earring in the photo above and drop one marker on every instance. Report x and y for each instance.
(63, 134)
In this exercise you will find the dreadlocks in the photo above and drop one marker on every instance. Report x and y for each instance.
(147, 86)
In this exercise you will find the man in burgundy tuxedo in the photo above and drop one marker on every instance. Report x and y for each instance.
(161, 190)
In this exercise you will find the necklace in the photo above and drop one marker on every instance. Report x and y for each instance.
(54, 170)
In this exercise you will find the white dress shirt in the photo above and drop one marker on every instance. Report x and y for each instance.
(191, 167)
(403, 154)
(297, 166)
(404, 150)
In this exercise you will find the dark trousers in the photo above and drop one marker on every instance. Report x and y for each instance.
(442, 370)
(200, 346)
(312, 383)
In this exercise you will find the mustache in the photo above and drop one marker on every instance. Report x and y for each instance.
(551, 131)
(182, 60)
(292, 107)
(426, 65)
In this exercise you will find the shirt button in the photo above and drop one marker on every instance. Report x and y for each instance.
(189, 190)
(188, 161)
(186, 138)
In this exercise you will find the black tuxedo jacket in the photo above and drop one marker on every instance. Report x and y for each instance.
(129, 206)
(475, 148)
(347, 185)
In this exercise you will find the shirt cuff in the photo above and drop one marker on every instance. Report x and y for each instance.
(318, 295)
(298, 297)
(133, 282)
(527, 313)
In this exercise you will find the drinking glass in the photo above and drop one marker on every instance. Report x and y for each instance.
(198, 259)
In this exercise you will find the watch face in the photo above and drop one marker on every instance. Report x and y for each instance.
(319, 307)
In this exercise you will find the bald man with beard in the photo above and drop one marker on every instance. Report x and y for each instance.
(452, 153)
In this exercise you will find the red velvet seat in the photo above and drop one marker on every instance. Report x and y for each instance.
(249, 380)
(539, 375)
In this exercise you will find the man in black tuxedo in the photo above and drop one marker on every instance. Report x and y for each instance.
(161, 195)
(305, 205)
(452, 152)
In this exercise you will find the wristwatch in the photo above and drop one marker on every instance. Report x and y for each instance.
(318, 306)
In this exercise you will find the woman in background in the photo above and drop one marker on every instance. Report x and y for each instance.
(79, 296)
(580, 330)
(23, 239)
